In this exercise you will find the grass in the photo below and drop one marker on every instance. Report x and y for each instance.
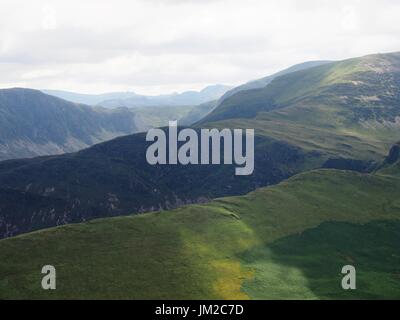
(308, 265)
(229, 249)
(343, 109)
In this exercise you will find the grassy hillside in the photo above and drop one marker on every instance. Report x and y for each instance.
(263, 82)
(285, 241)
(35, 124)
(348, 108)
(156, 117)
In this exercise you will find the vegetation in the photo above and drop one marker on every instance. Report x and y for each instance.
(348, 108)
(262, 245)
(287, 241)
(35, 124)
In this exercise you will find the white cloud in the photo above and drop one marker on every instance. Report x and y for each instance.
(49, 20)
(153, 46)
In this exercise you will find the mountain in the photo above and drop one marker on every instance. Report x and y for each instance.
(288, 241)
(89, 99)
(263, 82)
(131, 99)
(34, 124)
(341, 107)
(341, 115)
(153, 117)
(198, 113)
(186, 98)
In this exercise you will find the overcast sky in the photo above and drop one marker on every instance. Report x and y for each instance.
(160, 46)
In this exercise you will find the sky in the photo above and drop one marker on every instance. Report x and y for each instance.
(163, 46)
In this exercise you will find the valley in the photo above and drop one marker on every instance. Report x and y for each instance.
(324, 193)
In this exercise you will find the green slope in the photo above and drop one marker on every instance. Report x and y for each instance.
(36, 124)
(308, 265)
(263, 82)
(348, 108)
(285, 241)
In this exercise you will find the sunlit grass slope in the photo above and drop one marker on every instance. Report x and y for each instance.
(286, 241)
(346, 109)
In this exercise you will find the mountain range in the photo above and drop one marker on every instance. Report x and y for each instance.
(263, 82)
(341, 115)
(132, 100)
(36, 124)
(324, 193)
(29, 117)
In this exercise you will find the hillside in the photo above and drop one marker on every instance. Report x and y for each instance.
(89, 99)
(186, 98)
(132, 99)
(288, 241)
(113, 178)
(263, 82)
(153, 117)
(34, 124)
(341, 107)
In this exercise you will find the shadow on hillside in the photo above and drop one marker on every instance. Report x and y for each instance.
(308, 265)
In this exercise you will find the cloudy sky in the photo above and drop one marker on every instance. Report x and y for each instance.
(160, 46)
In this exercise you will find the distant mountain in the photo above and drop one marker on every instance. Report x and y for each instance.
(338, 107)
(89, 99)
(198, 113)
(33, 124)
(263, 82)
(186, 98)
(132, 100)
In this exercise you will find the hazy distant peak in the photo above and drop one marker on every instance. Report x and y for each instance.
(132, 99)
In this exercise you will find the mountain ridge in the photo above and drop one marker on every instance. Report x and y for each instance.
(36, 124)
(263, 82)
(132, 100)
(33, 123)
(325, 131)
